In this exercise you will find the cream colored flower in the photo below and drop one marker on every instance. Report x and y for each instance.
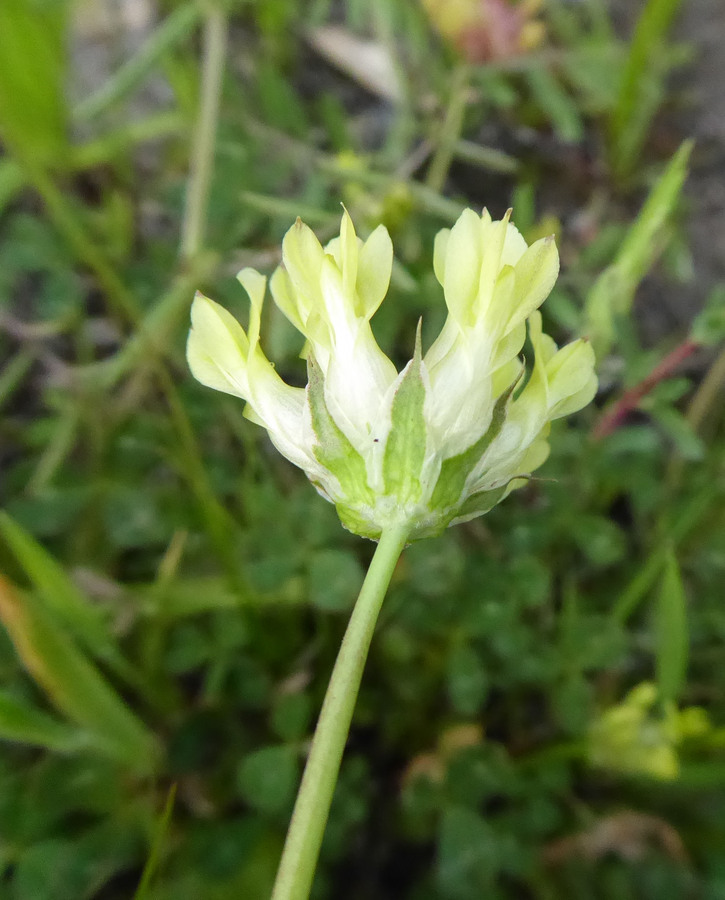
(450, 435)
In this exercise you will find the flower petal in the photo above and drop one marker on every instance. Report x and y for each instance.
(302, 255)
(440, 249)
(374, 269)
(255, 285)
(284, 295)
(463, 266)
(535, 273)
(217, 348)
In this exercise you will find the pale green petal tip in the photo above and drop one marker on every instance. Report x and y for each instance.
(255, 285)
(302, 255)
(348, 252)
(440, 248)
(285, 297)
(375, 267)
(217, 348)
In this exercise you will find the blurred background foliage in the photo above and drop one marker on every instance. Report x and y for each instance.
(543, 712)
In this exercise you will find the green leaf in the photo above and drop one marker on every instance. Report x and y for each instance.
(73, 683)
(12, 181)
(61, 596)
(52, 869)
(33, 110)
(152, 863)
(688, 443)
(335, 577)
(672, 632)
(20, 722)
(291, 715)
(638, 249)
(76, 866)
(709, 325)
(13, 374)
(267, 779)
(612, 293)
(599, 539)
(405, 447)
(57, 589)
(467, 855)
(642, 86)
(467, 680)
(556, 104)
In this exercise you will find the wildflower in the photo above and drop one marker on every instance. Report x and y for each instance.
(636, 737)
(487, 30)
(450, 435)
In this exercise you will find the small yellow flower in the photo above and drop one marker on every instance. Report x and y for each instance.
(637, 738)
(450, 435)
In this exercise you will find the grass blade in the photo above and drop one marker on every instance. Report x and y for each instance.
(152, 863)
(642, 86)
(672, 632)
(72, 682)
(59, 593)
(20, 722)
(612, 294)
(175, 27)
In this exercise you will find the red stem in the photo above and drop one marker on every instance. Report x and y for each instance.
(615, 416)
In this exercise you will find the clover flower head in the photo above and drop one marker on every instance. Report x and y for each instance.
(441, 441)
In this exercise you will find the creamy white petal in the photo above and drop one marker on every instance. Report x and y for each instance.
(281, 408)
(356, 384)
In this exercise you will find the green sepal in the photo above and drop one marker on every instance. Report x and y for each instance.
(357, 523)
(456, 469)
(334, 450)
(482, 502)
(405, 447)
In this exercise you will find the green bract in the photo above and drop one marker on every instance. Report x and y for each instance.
(445, 439)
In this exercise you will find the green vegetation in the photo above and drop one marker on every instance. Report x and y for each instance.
(543, 710)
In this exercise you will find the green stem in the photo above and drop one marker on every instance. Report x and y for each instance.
(202, 160)
(450, 131)
(175, 27)
(74, 231)
(302, 847)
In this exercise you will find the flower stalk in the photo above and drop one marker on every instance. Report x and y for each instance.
(304, 838)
